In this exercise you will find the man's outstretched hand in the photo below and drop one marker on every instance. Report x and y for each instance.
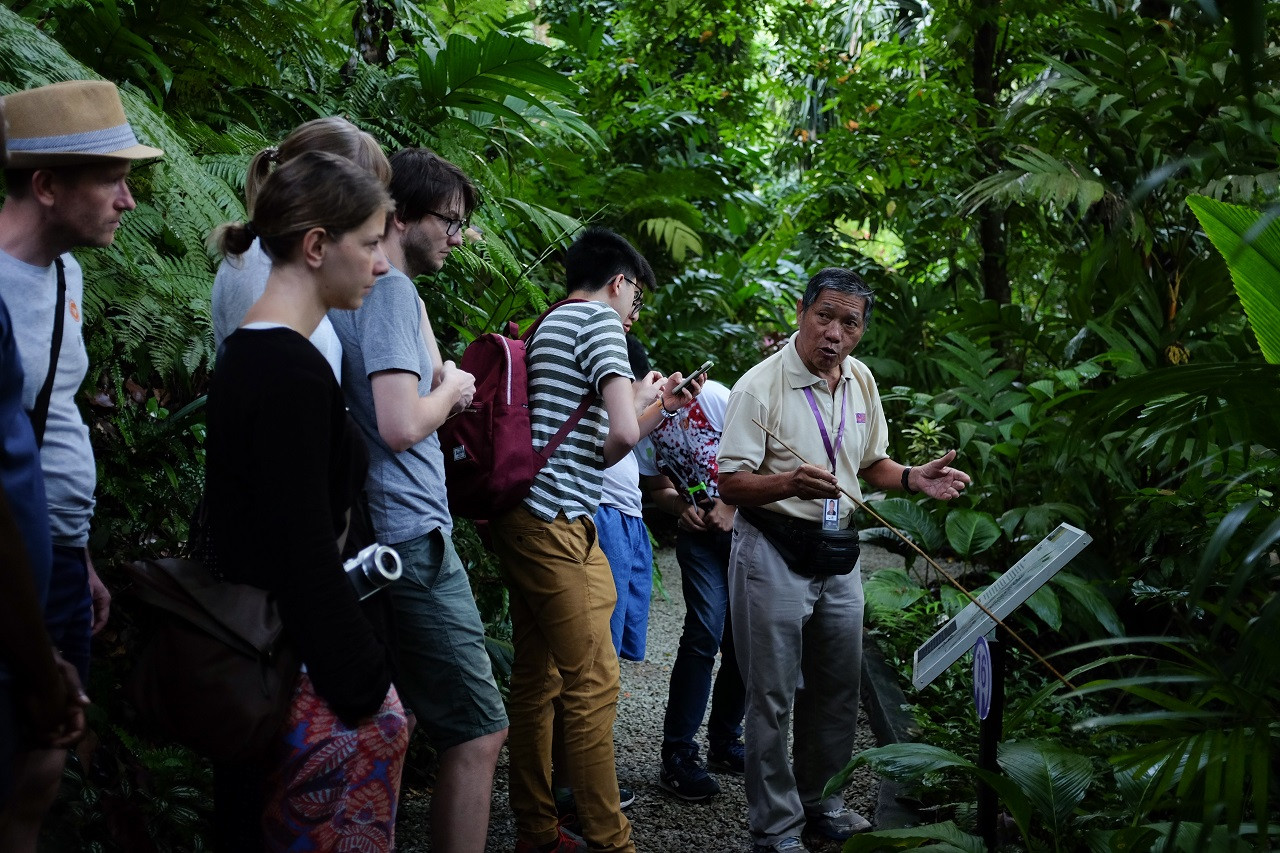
(937, 479)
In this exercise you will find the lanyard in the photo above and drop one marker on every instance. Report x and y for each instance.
(832, 449)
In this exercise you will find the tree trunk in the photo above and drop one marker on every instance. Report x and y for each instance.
(991, 231)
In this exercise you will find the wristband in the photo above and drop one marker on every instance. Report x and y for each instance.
(665, 413)
(906, 484)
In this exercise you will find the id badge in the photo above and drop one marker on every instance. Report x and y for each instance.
(831, 514)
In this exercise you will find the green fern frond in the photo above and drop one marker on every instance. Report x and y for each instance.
(148, 294)
(1037, 177)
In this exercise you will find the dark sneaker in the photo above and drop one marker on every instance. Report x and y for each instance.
(567, 807)
(790, 844)
(566, 843)
(567, 811)
(838, 825)
(730, 758)
(682, 775)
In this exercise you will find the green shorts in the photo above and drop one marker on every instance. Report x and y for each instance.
(443, 670)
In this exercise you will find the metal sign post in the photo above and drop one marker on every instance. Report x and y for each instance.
(990, 733)
(968, 626)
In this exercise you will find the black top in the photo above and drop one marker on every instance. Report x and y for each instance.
(284, 463)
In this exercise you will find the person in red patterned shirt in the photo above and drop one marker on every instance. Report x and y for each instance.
(678, 463)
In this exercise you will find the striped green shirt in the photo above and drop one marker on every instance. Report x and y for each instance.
(575, 349)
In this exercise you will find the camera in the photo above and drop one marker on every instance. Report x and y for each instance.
(372, 569)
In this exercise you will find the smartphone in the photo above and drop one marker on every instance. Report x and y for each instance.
(706, 365)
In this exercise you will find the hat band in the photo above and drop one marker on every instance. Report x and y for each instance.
(104, 141)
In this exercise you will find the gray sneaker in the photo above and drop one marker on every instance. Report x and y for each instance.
(790, 844)
(838, 824)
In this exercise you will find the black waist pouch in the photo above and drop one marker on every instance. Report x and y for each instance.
(806, 548)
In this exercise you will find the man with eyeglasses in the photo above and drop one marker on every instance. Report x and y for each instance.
(561, 589)
(399, 391)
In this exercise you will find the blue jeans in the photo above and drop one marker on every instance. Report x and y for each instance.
(704, 568)
(68, 613)
(625, 542)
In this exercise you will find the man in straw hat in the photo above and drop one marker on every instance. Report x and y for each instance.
(67, 152)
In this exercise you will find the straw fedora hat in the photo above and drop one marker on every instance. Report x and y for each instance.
(80, 121)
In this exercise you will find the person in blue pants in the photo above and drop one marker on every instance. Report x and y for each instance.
(678, 463)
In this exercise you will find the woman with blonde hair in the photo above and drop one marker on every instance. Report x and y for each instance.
(240, 281)
(284, 464)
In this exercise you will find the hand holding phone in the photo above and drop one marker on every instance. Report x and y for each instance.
(684, 383)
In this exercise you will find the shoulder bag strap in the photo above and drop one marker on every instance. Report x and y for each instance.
(587, 401)
(40, 413)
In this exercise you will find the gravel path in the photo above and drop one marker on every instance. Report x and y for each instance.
(660, 823)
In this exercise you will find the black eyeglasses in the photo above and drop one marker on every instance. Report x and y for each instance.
(638, 299)
(451, 226)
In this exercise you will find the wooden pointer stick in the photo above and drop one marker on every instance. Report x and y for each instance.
(930, 561)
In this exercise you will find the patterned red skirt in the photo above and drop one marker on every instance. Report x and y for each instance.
(333, 787)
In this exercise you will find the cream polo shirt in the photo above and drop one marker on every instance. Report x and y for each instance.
(772, 393)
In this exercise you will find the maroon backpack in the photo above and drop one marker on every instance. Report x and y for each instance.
(489, 460)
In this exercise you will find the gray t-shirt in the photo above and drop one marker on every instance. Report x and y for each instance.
(240, 282)
(66, 457)
(406, 490)
(575, 349)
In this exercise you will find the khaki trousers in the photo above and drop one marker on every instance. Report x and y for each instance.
(799, 644)
(562, 597)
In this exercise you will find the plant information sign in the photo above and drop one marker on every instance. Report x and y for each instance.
(1011, 589)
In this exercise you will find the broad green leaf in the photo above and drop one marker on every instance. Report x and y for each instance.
(1044, 603)
(1054, 778)
(947, 838)
(1128, 840)
(1010, 520)
(909, 761)
(1091, 600)
(501, 655)
(970, 532)
(1188, 837)
(1253, 256)
(891, 590)
(913, 520)
(1138, 785)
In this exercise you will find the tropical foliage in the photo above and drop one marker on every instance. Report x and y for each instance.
(1067, 211)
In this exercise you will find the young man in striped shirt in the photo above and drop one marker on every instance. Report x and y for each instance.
(562, 591)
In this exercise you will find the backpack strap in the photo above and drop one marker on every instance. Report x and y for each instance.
(39, 414)
(587, 401)
(528, 333)
(567, 426)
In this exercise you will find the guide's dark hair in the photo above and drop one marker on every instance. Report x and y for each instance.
(597, 256)
(841, 280)
(422, 180)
